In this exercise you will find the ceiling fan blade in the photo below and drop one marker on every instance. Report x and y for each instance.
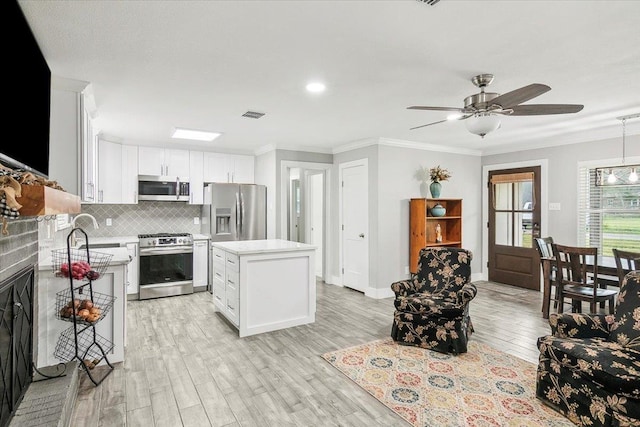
(518, 96)
(542, 109)
(419, 107)
(429, 124)
(466, 116)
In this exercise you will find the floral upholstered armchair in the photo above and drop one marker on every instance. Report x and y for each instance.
(432, 309)
(589, 368)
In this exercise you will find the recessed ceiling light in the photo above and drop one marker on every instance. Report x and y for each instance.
(197, 135)
(316, 87)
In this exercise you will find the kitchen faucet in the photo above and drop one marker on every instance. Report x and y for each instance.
(73, 226)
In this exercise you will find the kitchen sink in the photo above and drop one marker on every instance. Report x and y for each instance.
(100, 245)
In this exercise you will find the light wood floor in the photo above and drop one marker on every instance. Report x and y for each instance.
(186, 366)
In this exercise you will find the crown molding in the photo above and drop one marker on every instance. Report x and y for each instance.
(389, 142)
(264, 149)
(71, 85)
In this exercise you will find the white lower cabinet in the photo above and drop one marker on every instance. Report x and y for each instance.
(132, 269)
(200, 263)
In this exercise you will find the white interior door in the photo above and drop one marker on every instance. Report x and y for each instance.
(315, 229)
(355, 224)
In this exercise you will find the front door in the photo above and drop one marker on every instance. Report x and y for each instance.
(355, 225)
(514, 220)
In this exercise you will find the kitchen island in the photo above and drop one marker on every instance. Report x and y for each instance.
(264, 285)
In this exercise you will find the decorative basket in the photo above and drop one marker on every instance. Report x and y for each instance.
(90, 265)
(65, 306)
(87, 349)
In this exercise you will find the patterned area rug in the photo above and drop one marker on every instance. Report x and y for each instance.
(484, 387)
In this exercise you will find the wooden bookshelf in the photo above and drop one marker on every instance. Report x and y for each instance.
(422, 226)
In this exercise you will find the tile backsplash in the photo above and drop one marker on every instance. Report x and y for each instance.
(145, 217)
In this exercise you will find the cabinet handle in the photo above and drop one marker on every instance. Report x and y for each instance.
(229, 306)
(231, 281)
(135, 197)
(100, 196)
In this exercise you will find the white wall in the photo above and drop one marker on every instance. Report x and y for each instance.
(563, 173)
(396, 185)
(265, 174)
(391, 185)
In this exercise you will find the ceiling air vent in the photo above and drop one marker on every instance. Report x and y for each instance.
(429, 2)
(253, 114)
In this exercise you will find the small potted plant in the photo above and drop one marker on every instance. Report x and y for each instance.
(437, 174)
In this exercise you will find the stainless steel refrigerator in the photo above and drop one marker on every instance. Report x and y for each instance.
(234, 212)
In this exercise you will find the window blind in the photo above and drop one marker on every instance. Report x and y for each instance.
(608, 217)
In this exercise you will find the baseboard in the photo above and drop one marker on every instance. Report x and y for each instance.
(334, 280)
(379, 293)
(477, 276)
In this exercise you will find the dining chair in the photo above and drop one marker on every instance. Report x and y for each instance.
(626, 261)
(544, 246)
(577, 278)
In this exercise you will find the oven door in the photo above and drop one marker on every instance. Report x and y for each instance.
(166, 271)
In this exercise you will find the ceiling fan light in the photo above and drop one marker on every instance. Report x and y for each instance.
(482, 123)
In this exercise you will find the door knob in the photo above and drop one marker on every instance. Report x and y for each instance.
(361, 235)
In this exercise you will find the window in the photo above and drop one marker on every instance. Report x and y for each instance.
(608, 216)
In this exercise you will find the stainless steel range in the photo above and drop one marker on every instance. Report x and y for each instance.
(166, 264)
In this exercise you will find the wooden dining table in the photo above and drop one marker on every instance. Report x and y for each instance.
(607, 274)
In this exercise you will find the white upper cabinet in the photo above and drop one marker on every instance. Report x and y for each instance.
(109, 172)
(196, 178)
(243, 169)
(228, 168)
(177, 162)
(129, 174)
(163, 162)
(117, 172)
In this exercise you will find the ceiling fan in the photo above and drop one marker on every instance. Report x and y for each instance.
(482, 110)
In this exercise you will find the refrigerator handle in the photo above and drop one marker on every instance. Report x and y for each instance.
(238, 218)
(242, 214)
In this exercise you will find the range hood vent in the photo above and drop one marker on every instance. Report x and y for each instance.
(253, 114)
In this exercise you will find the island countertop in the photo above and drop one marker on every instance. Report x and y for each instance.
(247, 247)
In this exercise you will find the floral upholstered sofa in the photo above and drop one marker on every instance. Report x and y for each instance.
(589, 368)
(432, 309)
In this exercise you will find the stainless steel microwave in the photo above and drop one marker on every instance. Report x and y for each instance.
(163, 188)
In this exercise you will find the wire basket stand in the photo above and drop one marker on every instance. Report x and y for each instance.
(83, 307)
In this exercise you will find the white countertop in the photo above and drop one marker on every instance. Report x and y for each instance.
(246, 247)
(122, 240)
(120, 257)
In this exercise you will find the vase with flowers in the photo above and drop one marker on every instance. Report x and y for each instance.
(436, 175)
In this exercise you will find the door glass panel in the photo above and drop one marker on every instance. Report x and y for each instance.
(502, 196)
(513, 203)
(503, 228)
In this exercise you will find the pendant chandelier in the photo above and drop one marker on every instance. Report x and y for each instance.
(622, 174)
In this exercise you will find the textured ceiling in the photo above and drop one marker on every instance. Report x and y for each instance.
(155, 65)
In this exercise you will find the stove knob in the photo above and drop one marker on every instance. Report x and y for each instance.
(154, 242)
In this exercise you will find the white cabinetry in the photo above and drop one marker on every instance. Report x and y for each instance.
(132, 269)
(163, 162)
(72, 137)
(196, 178)
(264, 285)
(236, 168)
(109, 172)
(117, 170)
(129, 174)
(200, 264)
